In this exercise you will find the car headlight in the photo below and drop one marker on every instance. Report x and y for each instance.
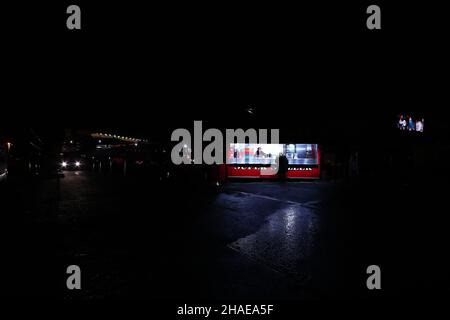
(64, 164)
(77, 164)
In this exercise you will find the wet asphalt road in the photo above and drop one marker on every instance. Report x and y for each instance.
(244, 240)
(134, 238)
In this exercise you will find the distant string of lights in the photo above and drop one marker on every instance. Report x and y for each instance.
(118, 137)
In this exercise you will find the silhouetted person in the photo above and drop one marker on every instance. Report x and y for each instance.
(282, 167)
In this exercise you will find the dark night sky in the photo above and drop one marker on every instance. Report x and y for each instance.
(312, 68)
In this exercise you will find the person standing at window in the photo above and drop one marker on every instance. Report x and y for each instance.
(411, 126)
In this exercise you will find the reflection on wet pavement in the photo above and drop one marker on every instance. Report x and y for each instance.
(285, 242)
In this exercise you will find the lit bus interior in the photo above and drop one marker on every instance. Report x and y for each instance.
(253, 160)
